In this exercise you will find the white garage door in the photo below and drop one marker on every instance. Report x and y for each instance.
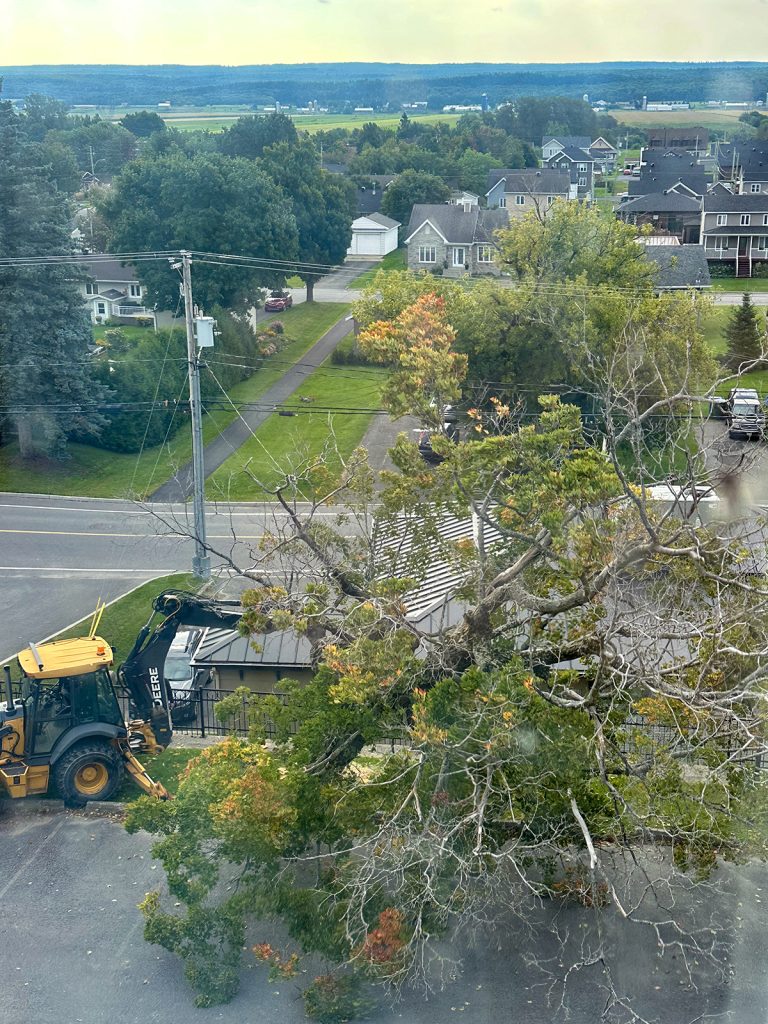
(368, 244)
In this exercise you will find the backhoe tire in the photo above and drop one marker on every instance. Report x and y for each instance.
(91, 770)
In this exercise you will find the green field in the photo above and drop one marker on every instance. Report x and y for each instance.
(283, 442)
(97, 473)
(707, 117)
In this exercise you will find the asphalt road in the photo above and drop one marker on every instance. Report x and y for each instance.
(73, 951)
(59, 555)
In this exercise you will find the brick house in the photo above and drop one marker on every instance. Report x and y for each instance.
(454, 240)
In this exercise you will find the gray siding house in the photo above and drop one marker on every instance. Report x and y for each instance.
(520, 191)
(580, 165)
(551, 144)
(454, 240)
(112, 291)
(734, 228)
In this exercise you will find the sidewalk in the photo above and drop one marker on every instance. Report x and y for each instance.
(179, 487)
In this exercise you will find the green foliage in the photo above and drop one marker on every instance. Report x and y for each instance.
(143, 123)
(250, 136)
(206, 203)
(745, 334)
(412, 187)
(47, 388)
(336, 998)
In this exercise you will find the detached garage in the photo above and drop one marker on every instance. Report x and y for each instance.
(373, 236)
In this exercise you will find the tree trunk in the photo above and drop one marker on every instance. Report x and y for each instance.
(26, 443)
(310, 283)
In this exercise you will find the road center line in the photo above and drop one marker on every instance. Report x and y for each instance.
(138, 536)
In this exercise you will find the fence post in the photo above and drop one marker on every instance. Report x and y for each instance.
(202, 713)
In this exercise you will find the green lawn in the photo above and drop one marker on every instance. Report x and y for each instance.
(713, 326)
(740, 284)
(97, 473)
(164, 768)
(290, 440)
(396, 260)
(129, 333)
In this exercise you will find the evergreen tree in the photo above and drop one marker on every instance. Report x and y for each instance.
(744, 334)
(46, 388)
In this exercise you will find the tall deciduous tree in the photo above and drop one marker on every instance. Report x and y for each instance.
(323, 205)
(143, 123)
(412, 187)
(47, 389)
(249, 136)
(208, 203)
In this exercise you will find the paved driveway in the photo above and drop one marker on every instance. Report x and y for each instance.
(73, 950)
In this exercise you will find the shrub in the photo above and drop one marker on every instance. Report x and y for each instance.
(335, 998)
(760, 270)
(722, 268)
(347, 353)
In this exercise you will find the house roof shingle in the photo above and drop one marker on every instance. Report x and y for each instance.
(679, 266)
(726, 202)
(694, 179)
(108, 270)
(457, 225)
(661, 202)
(545, 180)
(574, 141)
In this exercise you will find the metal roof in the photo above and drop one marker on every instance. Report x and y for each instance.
(280, 649)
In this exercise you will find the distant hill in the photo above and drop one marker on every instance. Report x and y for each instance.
(377, 85)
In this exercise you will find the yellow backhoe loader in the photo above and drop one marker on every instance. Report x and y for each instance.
(62, 722)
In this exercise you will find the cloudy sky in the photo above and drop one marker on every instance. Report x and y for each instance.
(426, 31)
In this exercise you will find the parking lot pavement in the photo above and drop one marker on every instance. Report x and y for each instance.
(73, 951)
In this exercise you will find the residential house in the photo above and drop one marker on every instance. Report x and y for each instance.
(744, 167)
(734, 229)
(453, 240)
(371, 192)
(460, 197)
(373, 236)
(581, 168)
(521, 190)
(550, 145)
(694, 139)
(233, 661)
(662, 170)
(604, 155)
(676, 212)
(112, 291)
(679, 267)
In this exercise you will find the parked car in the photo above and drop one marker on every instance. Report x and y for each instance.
(277, 302)
(182, 679)
(746, 417)
(424, 437)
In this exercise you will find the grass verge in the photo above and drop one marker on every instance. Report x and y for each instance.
(739, 285)
(97, 473)
(395, 260)
(281, 441)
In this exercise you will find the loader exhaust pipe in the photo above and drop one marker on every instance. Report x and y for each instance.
(8, 688)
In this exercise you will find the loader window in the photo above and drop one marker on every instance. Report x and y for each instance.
(94, 699)
(51, 713)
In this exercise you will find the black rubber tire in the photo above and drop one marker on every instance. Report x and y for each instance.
(89, 753)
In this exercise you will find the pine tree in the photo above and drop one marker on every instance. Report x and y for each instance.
(46, 388)
(744, 334)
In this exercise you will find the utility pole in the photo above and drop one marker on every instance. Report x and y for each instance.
(201, 563)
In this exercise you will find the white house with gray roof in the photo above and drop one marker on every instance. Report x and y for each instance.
(522, 190)
(454, 240)
(373, 236)
(112, 291)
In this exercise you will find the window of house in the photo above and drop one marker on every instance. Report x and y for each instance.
(745, 219)
(765, 219)
(519, 200)
(484, 254)
(755, 186)
(459, 256)
(582, 182)
(101, 308)
(761, 242)
(722, 218)
(90, 288)
(135, 290)
(427, 254)
(550, 200)
(583, 168)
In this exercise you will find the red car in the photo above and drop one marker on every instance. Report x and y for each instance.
(278, 302)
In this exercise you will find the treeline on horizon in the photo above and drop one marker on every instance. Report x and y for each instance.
(340, 86)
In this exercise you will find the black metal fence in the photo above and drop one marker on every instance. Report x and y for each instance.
(195, 715)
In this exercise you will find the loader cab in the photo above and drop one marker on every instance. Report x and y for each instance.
(69, 687)
(55, 706)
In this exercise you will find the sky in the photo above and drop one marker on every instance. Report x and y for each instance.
(410, 31)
